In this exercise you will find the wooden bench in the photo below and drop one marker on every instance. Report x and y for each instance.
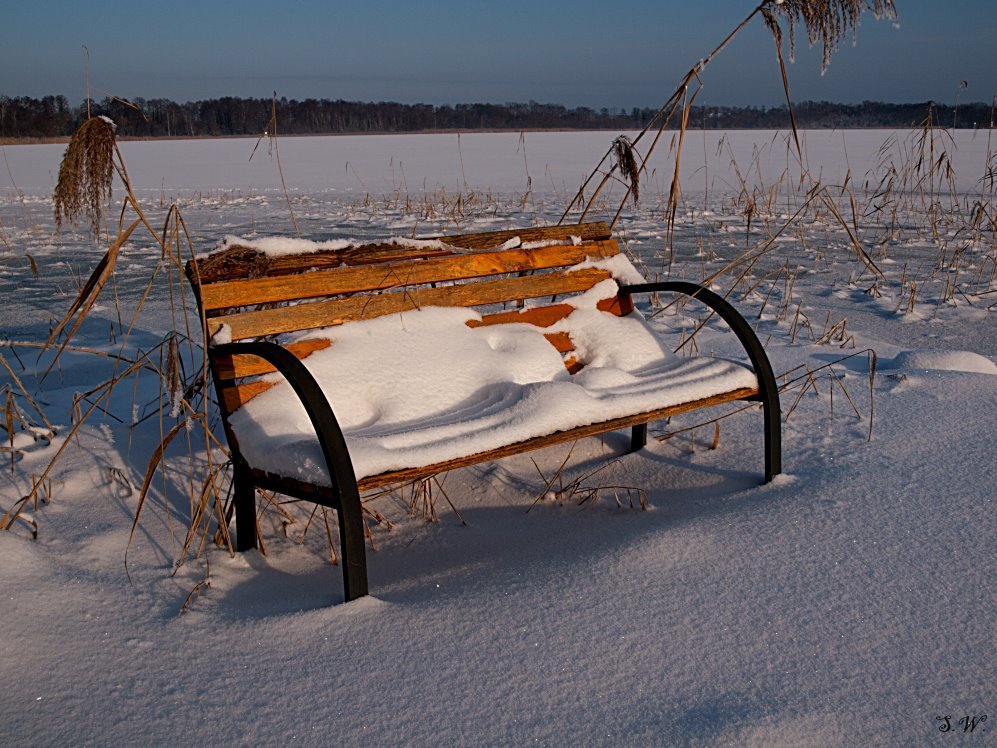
(252, 302)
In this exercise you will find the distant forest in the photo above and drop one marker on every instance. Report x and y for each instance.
(53, 116)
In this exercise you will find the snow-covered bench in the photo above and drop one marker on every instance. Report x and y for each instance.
(403, 359)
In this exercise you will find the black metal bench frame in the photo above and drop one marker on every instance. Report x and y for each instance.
(344, 494)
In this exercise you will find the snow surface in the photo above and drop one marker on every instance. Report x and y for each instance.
(849, 602)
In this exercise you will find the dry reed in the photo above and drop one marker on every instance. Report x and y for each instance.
(86, 174)
(825, 21)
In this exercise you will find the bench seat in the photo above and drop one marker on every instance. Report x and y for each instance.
(439, 390)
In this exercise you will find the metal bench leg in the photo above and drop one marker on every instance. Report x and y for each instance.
(352, 545)
(244, 497)
(638, 437)
(769, 397)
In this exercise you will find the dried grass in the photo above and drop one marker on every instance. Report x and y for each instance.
(826, 22)
(627, 165)
(86, 174)
(580, 490)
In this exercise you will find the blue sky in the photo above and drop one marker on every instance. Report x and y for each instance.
(623, 53)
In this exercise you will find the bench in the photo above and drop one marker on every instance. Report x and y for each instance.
(327, 362)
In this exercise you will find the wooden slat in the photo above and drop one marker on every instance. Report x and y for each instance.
(336, 311)
(238, 293)
(238, 395)
(587, 231)
(363, 254)
(620, 305)
(561, 341)
(236, 367)
(545, 316)
(398, 477)
(541, 316)
(245, 262)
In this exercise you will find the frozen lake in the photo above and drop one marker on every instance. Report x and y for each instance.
(555, 162)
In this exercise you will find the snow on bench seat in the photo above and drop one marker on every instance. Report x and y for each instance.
(422, 387)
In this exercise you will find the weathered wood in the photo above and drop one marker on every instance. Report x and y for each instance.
(236, 293)
(245, 262)
(317, 314)
(486, 240)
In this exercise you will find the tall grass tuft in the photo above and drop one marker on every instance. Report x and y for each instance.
(825, 21)
(85, 174)
(627, 165)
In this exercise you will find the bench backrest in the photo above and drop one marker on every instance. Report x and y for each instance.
(254, 295)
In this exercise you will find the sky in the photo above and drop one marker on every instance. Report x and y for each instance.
(628, 53)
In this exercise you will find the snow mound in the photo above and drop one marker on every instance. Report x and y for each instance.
(965, 361)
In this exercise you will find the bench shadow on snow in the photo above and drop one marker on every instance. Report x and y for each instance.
(416, 561)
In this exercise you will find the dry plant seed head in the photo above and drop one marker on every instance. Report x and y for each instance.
(85, 174)
(826, 21)
(624, 151)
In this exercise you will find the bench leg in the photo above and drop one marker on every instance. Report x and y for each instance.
(244, 497)
(638, 437)
(773, 429)
(352, 545)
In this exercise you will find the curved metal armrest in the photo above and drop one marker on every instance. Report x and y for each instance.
(768, 392)
(334, 451)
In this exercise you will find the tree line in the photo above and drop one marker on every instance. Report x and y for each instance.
(53, 116)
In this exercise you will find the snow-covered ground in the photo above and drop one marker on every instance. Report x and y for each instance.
(850, 602)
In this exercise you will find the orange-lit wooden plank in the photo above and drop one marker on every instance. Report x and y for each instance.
(620, 305)
(561, 341)
(541, 316)
(348, 280)
(336, 311)
(237, 396)
(573, 365)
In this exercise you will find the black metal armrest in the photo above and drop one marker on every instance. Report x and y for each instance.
(768, 392)
(334, 451)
